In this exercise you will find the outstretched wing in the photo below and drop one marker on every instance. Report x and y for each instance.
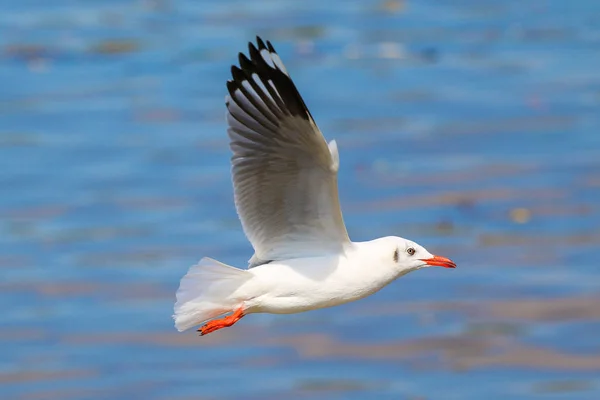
(284, 173)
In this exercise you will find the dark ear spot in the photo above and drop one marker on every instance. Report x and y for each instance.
(396, 254)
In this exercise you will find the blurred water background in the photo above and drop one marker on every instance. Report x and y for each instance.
(470, 126)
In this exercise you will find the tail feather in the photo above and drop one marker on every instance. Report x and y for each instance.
(207, 291)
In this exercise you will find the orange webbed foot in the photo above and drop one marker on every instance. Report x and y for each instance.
(220, 323)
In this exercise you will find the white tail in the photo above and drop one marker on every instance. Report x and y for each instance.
(206, 292)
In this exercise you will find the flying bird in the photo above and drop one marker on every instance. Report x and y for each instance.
(286, 196)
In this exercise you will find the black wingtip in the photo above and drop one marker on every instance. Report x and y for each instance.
(253, 52)
(260, 43)
(237, 74)
(251, 48)
(231, 87)
(245, 63)
(277, 90)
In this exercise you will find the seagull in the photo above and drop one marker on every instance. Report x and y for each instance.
(285, 191)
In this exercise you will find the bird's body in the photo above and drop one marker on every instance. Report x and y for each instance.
(297, 285)
(285, 187)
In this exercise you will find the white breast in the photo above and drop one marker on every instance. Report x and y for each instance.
(298, 285)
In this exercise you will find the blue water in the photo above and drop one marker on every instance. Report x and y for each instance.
(468, 126)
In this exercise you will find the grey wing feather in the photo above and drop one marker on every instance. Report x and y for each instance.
(284, 173)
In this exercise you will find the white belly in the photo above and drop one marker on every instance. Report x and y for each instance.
(293, 286)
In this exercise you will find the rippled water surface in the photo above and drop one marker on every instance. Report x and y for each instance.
(469, 126)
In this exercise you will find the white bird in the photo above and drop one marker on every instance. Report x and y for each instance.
(285, 188)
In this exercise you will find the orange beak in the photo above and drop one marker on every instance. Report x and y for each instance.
(439, 261)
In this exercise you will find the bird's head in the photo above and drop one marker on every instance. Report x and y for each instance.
(406, 256)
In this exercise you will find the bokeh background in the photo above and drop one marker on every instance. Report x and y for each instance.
(470, 126)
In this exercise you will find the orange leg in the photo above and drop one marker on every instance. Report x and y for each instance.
(224, 322)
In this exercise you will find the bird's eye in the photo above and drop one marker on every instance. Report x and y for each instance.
(410, 251)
